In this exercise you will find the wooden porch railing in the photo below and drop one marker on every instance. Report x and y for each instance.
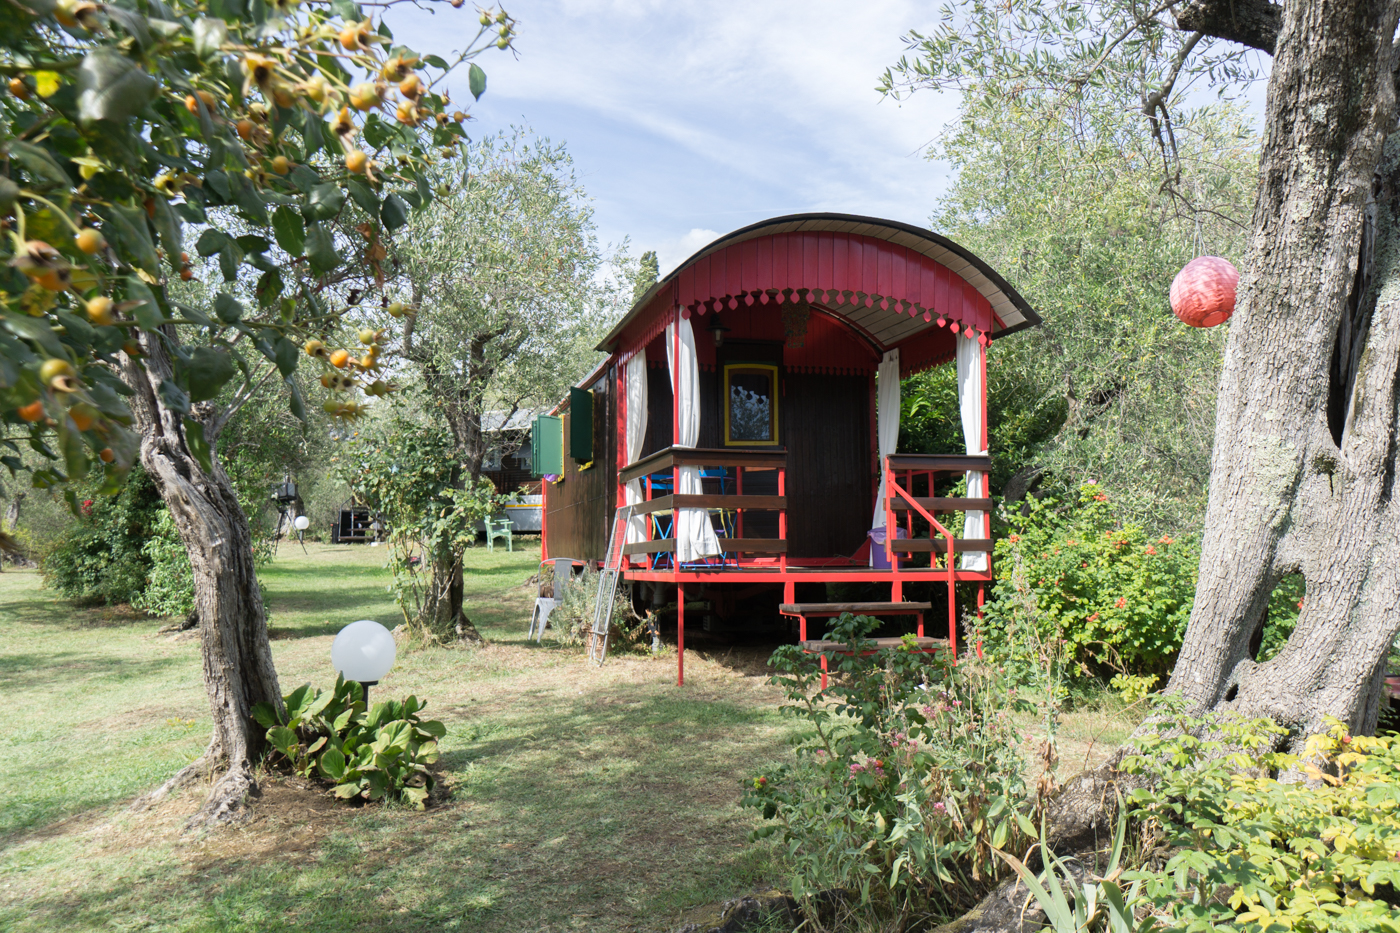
(672, 459)
(899, 498)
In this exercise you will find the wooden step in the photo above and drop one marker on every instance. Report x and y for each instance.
(799, 609)
(816, 646)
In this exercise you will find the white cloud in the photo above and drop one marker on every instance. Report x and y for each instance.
(672, 253)
(701, 117)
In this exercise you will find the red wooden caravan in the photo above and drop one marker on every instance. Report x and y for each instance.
(748, 414)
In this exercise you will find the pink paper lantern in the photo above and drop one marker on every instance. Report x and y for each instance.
(1203, 293)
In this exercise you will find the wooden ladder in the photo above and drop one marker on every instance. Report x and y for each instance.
(607, 586)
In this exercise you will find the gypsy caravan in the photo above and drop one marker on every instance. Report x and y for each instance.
(737, 446)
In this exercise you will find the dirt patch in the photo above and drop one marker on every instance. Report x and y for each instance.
(288, 820)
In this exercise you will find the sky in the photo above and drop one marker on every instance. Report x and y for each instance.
(690, 119)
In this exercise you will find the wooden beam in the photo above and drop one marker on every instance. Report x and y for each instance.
(939, 504)
(939, 462)
(663, 460)
(660, 546)
(940, 546)
(754, 545)
(801, 608)
(666, 503)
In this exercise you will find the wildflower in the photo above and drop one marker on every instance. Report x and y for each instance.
(1121, 603)
(1100, 497)
(1093, 618)
(1150, 549)
(1013, 538)
(1165, 539)
(1300, 604)
(941, 808)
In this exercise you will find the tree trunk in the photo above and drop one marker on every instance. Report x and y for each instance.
(238, 669)
(1292, 490)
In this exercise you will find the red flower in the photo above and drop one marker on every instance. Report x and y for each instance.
(1165, 540)
(1151, 550)
(86, 507)
(1121, 603)
(1100, 497)
(1093, 618)
(1013, 538)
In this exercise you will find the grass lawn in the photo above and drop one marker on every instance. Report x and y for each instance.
(582, 798)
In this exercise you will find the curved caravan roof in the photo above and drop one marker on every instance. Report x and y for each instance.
(896, 284)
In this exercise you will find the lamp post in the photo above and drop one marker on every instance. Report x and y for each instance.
(363, 652)
(301, 523)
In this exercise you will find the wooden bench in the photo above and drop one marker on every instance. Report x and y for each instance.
(827, 610)
(826, 648)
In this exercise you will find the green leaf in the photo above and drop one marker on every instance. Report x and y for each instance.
(346, 791)
(207, 372)
(168, 226)
(394, 213)
(347, 10)
(194, 438)
(476, 80)
(286, 356)
(304, 178)
(265, 715)
(230, 257)
(323, 202)
(35, 331)
(173, 397)
(132, 237)
(290, 230)
(313, 136)
(228, 308)
(434, 61)
(38, 162)
(432, 727)
(209, 36)
(284, 740)
(418, 796)
(363, 195)
(111, 87)
(320, 248)
(298, 403)
(332, 764)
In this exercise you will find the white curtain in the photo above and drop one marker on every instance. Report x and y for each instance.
(971, 404)
(695, 537)
(886, 427)
(636, 388)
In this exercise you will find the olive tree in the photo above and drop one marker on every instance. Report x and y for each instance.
(506, 291)
(133, 132)
(1306, 422)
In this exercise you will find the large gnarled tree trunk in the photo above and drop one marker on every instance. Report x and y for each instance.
(238, 669)
(1293, 490)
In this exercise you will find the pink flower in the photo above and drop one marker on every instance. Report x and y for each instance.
(940, 808)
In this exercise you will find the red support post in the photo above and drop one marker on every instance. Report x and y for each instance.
(680, 635)
(782, 518)
(739, 491)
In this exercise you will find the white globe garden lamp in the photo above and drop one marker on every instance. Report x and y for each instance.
(363, 652)
(302, 523)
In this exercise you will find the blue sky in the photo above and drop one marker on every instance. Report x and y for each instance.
(689, 119)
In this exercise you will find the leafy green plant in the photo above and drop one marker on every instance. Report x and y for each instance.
(1072, 905)
(1265, 840)
(1117, 599)
(384, 753)
(169, 589)
(100, 556)
(909, 777)
(411, 473)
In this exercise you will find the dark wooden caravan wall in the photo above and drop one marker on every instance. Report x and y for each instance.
(824, 421)
(582, 502)
(827, 430)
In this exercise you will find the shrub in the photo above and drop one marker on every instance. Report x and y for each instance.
(571, 621)
(1255, 853)
(379, 755)
(1103, 594)
(909, 777)
(99, 558)
(169, 589)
